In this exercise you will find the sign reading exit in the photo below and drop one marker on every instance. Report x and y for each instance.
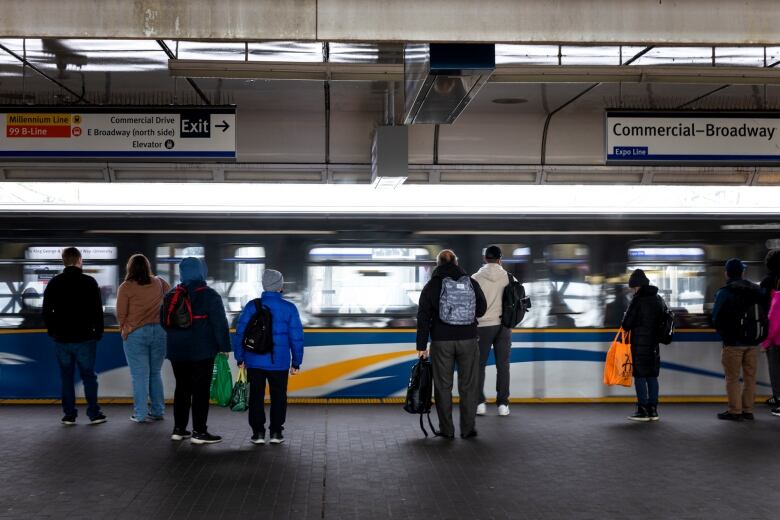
(118, 133)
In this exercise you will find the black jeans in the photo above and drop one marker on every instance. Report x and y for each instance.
(193, 384)
(277, 382)
(773, 362)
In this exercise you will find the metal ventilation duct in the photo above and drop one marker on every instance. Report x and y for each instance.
(389, 156)
(441, 78)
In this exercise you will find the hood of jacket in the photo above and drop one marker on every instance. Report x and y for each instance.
(448, 271)
(492, 272)
(739, 284)
(647, 290)
(192, 270)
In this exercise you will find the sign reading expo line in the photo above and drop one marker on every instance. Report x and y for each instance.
(118, 132)
(692, 137)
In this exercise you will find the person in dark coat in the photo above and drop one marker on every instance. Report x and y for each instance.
(643, 319)
(771, 282)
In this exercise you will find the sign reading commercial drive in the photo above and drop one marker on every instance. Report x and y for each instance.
(711, 137)
(103, 133)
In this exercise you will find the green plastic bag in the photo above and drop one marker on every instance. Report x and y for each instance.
(239, 401)
(221, 381)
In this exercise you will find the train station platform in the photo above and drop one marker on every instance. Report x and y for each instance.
(582, 461)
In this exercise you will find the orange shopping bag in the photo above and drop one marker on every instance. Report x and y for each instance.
(619, 369)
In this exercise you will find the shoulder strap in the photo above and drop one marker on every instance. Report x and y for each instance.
(258, 304)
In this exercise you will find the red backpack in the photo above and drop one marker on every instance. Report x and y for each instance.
(177, 308)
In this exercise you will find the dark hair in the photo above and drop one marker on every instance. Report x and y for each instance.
(772, 261)
(492, 254)
(139, 270)
(70, 256)
(446, 256)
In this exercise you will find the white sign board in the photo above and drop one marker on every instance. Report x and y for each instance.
(102, 133)
(683, 137)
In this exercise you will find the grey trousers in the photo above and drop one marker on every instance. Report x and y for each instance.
(444, 356)
(500, 338)
(773, 361)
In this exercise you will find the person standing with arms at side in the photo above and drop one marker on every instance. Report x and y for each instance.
(192, 350)
(450, 304)
(643, 321)
(138, 303)
(285, 357)
(769, 285)
(739, 356)
(492, 278)
(73, 313)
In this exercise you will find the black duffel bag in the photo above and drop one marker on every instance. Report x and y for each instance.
(420, 392)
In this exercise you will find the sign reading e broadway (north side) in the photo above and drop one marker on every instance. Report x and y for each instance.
(118, 132)
(689, 137)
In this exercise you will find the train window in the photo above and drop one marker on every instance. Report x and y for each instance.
(25, 275)
(773, 243)
(247, 284)
(168, 256)
(366, 281)
(678, 272)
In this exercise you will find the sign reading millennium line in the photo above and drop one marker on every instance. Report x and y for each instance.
(711, 137)
(118, 132)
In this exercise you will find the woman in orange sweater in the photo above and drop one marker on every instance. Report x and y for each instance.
(138, 311)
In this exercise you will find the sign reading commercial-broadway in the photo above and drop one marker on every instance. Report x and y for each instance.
(124, 132)
(653, 137)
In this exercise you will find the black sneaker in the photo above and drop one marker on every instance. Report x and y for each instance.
(277, 438)
(772, 401)
(640, 415)
(98, 419)
(775, 411)
(469, 435)
(728, 416)
(179, 434)
(205, 438)
(150, 417)
(652, 413)
(69, 420)
(258, 438)
(748, 416)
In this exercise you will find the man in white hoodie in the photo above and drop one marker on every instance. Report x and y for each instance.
(493, 278)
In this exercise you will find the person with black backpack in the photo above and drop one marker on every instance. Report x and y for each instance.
(269, 342)
(197, 331)
(493, 279)
(644, 320)
(740, 317)
(450, 304)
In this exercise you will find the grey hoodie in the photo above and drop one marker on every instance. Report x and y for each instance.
(492, 278)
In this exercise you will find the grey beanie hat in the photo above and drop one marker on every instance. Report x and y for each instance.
(272, 280)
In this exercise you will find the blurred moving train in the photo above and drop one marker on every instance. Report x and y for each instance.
(356, 280)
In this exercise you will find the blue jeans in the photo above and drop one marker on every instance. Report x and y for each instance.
(646, 390)
(145, 352)
(82, 354)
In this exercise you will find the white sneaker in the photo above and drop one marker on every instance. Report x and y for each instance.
(503, 410)
(481, 409)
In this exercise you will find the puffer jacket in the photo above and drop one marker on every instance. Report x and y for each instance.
(729, 300)
(287, 332)
(209, 333)
(643, 319)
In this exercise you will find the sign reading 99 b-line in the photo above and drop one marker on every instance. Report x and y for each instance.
(205, 133)
(693, 137)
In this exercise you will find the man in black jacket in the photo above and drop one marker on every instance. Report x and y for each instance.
(643, 320)
(452, 343)
(73, 312)
(739, 357)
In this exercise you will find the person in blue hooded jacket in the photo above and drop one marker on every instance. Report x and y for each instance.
(273, 367)
(192, 350)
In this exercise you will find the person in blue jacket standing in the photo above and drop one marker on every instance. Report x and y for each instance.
(273, 367)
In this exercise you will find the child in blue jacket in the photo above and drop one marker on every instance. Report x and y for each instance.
(274, 367)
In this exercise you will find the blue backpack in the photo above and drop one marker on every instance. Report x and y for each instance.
(457, 301)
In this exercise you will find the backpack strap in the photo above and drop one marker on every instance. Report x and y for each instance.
(436, 432)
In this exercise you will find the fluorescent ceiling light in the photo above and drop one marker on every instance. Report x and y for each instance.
(534, 232)
(750, 227)
(209, 232)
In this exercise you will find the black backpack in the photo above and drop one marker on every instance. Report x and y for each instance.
(751, 321)
(514, 303)
(177, 309)
(419, 393)
(258, 335)
(665, 324)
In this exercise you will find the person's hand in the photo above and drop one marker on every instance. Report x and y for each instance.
(423, 354)
(294, 371)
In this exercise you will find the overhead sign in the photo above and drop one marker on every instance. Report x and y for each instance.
(106, 133)
(683, 137)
